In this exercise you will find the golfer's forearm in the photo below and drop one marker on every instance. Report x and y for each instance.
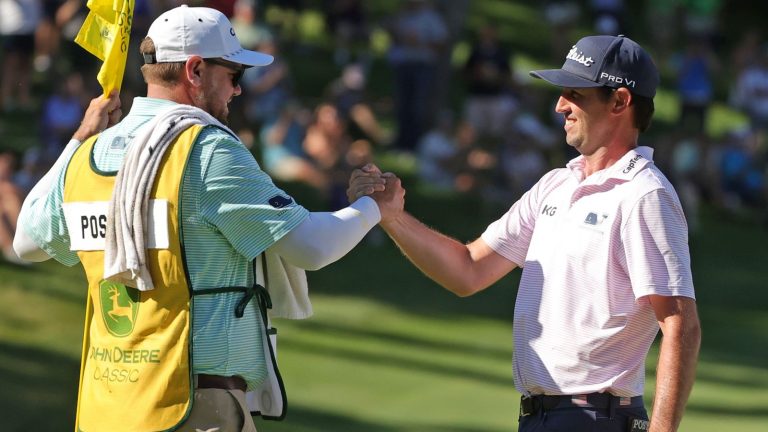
(443, 259)
(675, 375)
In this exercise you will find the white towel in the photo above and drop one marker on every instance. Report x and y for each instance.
(125, 255)
(287, 288)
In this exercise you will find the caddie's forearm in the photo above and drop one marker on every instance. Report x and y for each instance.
(26, 248)
(675, 374)
(325, 237)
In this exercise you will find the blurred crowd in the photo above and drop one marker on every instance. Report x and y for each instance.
(494, 140)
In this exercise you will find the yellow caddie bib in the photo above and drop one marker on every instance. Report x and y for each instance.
(136, 363)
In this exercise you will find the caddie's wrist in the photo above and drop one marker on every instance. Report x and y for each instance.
(83, 133)
(80, 136)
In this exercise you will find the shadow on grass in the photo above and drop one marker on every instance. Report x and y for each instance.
(50, 279)
(703, 374)
(377, 270)
(730, 410)
(728, 340)
(345, 332)
(39, 389)
(304, 419)
(39, 393)
(420, 366)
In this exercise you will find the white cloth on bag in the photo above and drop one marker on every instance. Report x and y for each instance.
(287, 287)
(125, 255)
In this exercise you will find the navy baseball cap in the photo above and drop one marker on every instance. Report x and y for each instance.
(610, 61)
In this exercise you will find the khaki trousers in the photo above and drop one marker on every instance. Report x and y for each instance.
(219, 410)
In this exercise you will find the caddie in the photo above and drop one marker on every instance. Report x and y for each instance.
(179, 231)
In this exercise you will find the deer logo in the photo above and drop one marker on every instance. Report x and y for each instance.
(119, 307)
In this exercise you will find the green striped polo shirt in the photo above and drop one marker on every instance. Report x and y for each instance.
(227, 222)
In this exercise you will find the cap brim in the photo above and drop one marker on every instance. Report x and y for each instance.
(563, 78)
(250, 58)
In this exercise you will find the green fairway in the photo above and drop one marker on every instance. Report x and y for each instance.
(388, 350)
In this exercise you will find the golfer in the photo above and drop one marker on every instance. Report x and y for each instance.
(603, 247)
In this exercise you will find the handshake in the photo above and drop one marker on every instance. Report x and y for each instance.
(384, 188)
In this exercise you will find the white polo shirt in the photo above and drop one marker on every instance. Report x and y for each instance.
(591, 249)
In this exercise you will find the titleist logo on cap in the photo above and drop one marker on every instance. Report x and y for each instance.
(618, 62)
(579, 57)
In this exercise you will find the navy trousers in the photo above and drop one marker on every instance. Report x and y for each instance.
(577, 419)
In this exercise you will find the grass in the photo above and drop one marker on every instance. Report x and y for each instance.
(388, 350)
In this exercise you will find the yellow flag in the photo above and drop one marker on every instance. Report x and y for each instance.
(105, 34)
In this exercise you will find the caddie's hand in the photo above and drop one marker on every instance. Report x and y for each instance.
(391, 200)
(102, 113)
(365, 181)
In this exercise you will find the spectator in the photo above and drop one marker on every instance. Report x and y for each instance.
(286, 18)
(69, 19)
(662, 16)
(455, 15)
(282, 151)
(743, 162)
(249, 29)
(47, 36)
(268, 88)
(247, 113)
(701, 18)
(687, 171)
(608, 16)
(474, 165)
(696, 68)
(450, 160)
(418, 35)
(490, 104)
(562, 16)
(522, 157)
(437, 153)
(348, 94)
(747, 51)
(33, 167)
(18, 23)
(10, 206)
(347, 21)
(62, 112)
(227, 7)
(327, 143)
(751, 91)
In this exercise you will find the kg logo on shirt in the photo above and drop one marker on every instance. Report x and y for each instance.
(279, 201)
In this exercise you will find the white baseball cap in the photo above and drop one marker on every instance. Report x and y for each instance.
(186, 31)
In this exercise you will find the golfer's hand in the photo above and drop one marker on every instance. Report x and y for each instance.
(391, 200)
(365, 181)
(102, 113)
